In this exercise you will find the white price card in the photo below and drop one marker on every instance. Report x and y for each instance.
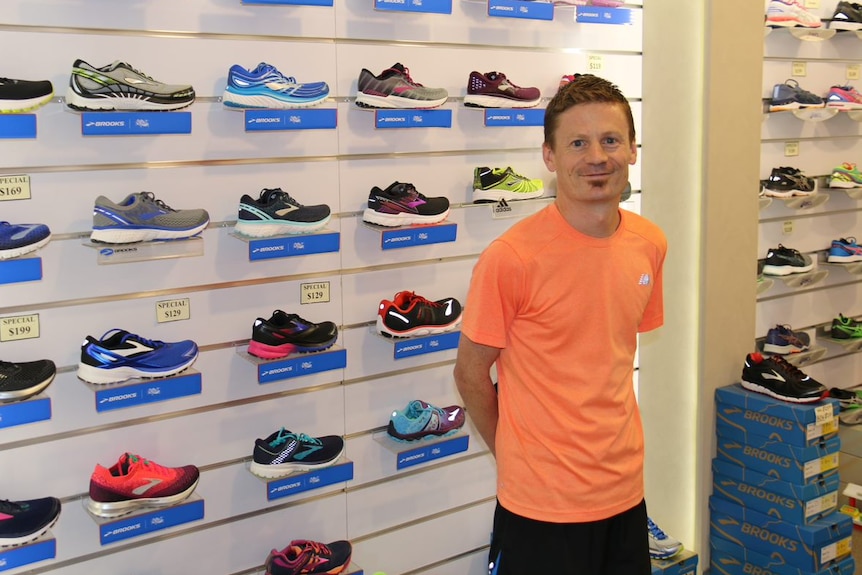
(14, 188)
(18, 327)
(173, 310)
(317, 292)
(791, 149)
(595, 63)
(799, 69)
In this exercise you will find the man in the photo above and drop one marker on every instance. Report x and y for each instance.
(557, 302)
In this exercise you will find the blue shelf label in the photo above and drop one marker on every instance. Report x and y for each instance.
(304, 364)
(418, 236)
(151, 522)
(32, 553)
(433, 451)
(413, 118)
(24, 412)
(514, 117)
(151, 391)
(427, 344)
(135, 123)
(290, 2)
(23, 270)
(298, 245)
(308, 481)
(426, 6)
(277, 120)
(594, 15)
(17, 126)
(521, 9)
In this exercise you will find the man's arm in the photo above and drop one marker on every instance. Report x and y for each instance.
(473, 378)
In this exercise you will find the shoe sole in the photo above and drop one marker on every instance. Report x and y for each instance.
(786, 270)
(426, 435)
(119, 508)
(844, 259)
(766, 391)
(234, 101)
(99, 376)
(845, 106)
(267, 229)
(285, 469)
(839, 25)
(417, 331)
(488, 101)
(23, 106)
(116, 103)
(131, 235)
(17, 541)
(782, 349)
(400, 219)
(495, 195)
(265, 351)
(793, 106)
(666, 554)
(18, 395)
(396, 102)
(20, 251)
(844, 185)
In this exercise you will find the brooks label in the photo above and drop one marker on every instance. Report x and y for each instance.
(18, 327)
(14, 188)
(773, 538)
(173, 310)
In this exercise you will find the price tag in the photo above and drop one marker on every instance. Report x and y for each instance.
(595, 63)
(812, 4)
(852, 71)
(314, 292)
(173, 310)
(18, 327)
(791, 149)
(17, 187)
(798, 69)
(787, 227)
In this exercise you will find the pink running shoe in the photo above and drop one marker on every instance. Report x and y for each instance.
(305, 557)
(844, 98)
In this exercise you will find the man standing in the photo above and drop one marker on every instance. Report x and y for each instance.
(557, 302)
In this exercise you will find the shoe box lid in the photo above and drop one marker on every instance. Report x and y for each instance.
(807, 547)
(683, 563)
(773, 497)
(800, 425)
(728, 558)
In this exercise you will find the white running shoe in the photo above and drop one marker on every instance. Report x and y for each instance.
(661, 545)
(790, 14)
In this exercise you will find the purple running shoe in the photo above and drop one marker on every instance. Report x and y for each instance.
(420, 420)
(401, 205)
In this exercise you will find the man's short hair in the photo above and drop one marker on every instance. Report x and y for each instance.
(584, 89)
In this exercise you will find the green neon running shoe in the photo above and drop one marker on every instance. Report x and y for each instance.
(845, 176)
(493, 185)
(846, 328)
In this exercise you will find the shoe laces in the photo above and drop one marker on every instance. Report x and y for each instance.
(655, 530)
(284, 435)
(405, 73)
(135, 70)
(407, 189)
(788, 367)
(151, 197)
(423, 301)
(792, 251)
(313, 546)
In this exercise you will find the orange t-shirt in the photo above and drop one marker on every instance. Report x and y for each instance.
(565, 309)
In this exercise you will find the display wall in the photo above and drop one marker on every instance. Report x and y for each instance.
(431, 518)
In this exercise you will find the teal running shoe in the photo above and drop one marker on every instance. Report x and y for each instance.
(420, 420)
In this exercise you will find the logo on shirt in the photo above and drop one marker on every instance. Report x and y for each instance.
(644, 280)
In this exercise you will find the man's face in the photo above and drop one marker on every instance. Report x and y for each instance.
(592, 153)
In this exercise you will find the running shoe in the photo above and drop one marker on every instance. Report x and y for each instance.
(845, 328)
(494, 90)
(137, 483)
(774, 377)
(845, 250)
(394, 88)
(790, 14)
(847, 398)
(20, 96)
(410, 314)
(119, 355)
(309, 557)
(22, 380)
(283, 453)
(791, 96)
(844, 98)
(496, 184)
(286, 333)
(661, 545)
(266, 87)
(420, 420)
(847, 16)
(783, 261)
(141, 217)
(783, 340)
(118, 86)
(19, 239)
(275, 213)
(785, 182)
(845, 176)
(401, 205)
(25, 521)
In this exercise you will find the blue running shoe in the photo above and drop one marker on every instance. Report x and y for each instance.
(141, 218)
(266, 87)
(19, 239)
(661, 545)
(420, 420)
(119, 355)
(783, 340)
(845, 250)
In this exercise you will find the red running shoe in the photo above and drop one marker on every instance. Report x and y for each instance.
(303, 556)
(134, 483)
(409, 314)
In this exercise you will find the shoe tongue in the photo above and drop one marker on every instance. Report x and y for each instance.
(493, 75)
(126, 462)
(399, 67)
(263, 67)
(271, 194)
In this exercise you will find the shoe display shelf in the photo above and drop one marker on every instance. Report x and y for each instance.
(852, 345)
(852, 268)
(412, 236)
(853, 193)
(108, 254)
(140, 391)
(803, 280)
(409, 454)
(352, 569)
(403, 347)
(683, 563)
(804, 34)
(764, 284)
(806, 114)
(146, 521)
(423, 6)
(287, 2)
(500, 117)
(42, 549)
(296, 364)
(31, 410)
(764, 202)
(513, 209)
(289, 245)
(22, 269)
(296, 483)
(145, 123)
(410, 118)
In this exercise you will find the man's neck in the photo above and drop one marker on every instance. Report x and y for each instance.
(594, 219)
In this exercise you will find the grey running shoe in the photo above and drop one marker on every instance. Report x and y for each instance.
(141, 217)
(782, 261)
(118, 86)
(661, 545)
(790, 96)
(275, 213)
(21, 380)
(394, 88)
(847, 16)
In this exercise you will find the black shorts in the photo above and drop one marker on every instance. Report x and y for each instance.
(615, 546)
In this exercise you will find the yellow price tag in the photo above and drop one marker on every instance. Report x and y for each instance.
(14, 188)
(18, 327)
(799, 69)
(852, 71)
(595, 63)
(787, 227)
(791, 149)
(173, 310)
(314, 292)
(813, 4)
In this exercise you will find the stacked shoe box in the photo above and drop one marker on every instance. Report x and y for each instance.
(775, 488)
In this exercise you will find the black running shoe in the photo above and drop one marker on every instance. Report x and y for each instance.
(775, 377)
(19, 96)
(783, 261)
(286, 333)
(409, 314)
(785, 182)
(791, 96)
(845, 328)
(401, 205)
(118, 86)
(22, 380)
(847, 16)
(24, 521)
(275, 213)
(283, 453)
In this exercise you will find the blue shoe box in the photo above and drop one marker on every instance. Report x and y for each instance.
(797, 424)
(727, 558)
(786, 501)
(801, 465)
(683, 563)
(806, 547)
